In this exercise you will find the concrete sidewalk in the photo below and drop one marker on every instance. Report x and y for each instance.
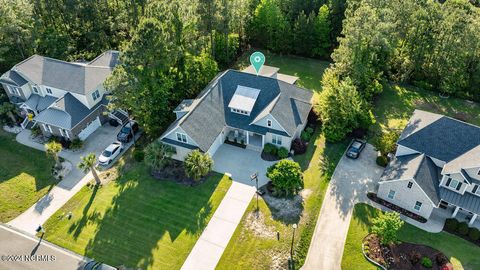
(210, 246)
(44, 208)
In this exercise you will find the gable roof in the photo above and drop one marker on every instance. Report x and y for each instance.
(66, 112)
(73, 77)
(12, 77)
(439, 136)
(211, 114)
(418, 167)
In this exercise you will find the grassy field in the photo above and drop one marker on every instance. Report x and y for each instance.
(461, 253)
(308, 70)
(394, 106)
(25, 176)
(137, 221)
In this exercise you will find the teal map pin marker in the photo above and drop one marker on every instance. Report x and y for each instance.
(257, 59)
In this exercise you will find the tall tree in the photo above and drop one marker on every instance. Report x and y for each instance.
(54, 148)
(87, 164)
(322, 31)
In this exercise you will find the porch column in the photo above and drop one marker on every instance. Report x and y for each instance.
(456, 211)
(472, 220)
(248, 135)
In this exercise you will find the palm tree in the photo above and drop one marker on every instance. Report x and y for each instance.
(197, 164)
(53, 148)
(158, 155)
(88, 164)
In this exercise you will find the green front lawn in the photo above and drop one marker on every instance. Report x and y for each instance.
(246, 250)
(25, 176)
(395, 105)
(462, 254)
(137, 221)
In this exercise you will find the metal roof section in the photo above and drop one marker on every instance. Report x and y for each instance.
(13, 78)
(39, 103)
(244, 98)
(466, 201)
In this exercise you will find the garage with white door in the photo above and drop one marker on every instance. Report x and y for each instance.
(89, 129)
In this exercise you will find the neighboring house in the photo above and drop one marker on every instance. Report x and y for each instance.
(241, 107)
(65, 99)
(437, 165)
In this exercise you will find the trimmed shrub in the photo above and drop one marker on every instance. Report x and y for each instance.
(451, 224)
(299, 146)
(305, 136)
(76, 144)
(36, 131)
(463, 228)
(441, 259)
(474, 234)
(282, 152)
(270, 149)
(138, 155)
(382, 161)
(415, 257)
(426, 262)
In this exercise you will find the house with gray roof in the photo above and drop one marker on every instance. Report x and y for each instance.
(436, 166)
(243, 109)
(65, 99)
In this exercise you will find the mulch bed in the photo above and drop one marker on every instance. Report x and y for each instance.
(269, 157)
(372, 196)
(404, 256)
(176, 172)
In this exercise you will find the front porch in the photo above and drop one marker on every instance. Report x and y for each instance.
(250, 140)
(452, 211)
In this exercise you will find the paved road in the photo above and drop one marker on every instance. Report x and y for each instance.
(350, 183)
(69, 186)
(210, 246)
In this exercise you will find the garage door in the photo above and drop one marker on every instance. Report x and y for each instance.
(90, 129)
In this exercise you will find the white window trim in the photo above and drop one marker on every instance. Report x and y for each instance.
(35, 89)
(182, 136)
(95, 95)
(415, 206)
(393, 196)
(276, 139)
(44, 127)
(49, 90)
(454, 187)
(66, 133)
(61, 132)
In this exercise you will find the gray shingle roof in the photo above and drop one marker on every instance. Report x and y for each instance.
(418, 167)
(12, 77)
(66, 112)
(39, 103)
(206, 120)
(438, 136)
(73, 77)
(470, 159)
(107, 59)
(466, 201)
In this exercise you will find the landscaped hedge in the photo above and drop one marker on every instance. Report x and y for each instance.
(282, 152)
(463, 228)
(451, 224)
(382, 161)
(270, 149)
(474, 234)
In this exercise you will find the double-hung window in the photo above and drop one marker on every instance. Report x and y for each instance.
(391, 194)
(181, 137)
(276, 139)
(35, 89)
(454, 184)
(410, 184)
(49, 91)
(418, 206)
(95, 95)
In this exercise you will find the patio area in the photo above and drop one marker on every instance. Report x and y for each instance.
(241, 163)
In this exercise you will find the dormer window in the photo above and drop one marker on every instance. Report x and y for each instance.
(49, 91)
(269, 123)
(243, 100)
(95, 95)
(454, 184)
(181, 137)
(35, 89)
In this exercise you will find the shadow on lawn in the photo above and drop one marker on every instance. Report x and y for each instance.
(142, 212)
(77, 227)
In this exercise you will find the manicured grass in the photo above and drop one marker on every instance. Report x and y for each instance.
(249, 251)
(395, 105)
(137, 221)
(308, 70)
(25, 176)
(461, 253)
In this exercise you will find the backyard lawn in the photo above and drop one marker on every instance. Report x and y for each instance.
(454, 247)
(137, 221)
(25, 176)
(394, 106)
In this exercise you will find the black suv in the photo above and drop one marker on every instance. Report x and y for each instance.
(126, 134)
(355, 148)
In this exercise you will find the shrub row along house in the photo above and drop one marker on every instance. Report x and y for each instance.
(66, 99)
(436, 169)
(242, 108)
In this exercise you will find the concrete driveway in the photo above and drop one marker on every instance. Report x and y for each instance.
(70, 185)
(241, 163)
(349, 185)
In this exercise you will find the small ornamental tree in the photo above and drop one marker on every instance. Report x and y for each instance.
(53, 148)
(158, 155)
(197, 164)
(386, 226)
(387, 142)
(88, 164)
(286, 176)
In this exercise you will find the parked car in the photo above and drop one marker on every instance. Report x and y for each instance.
(355, 148)
(126, 134)
(110, 153)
